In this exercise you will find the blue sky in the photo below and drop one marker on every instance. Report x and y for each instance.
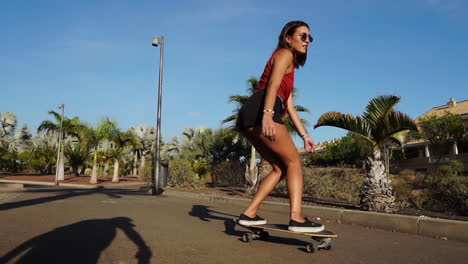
(96, 57)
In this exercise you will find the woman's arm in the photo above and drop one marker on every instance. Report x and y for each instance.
(308, 142)
(281, 63)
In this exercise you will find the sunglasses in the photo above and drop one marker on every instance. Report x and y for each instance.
(304, 37)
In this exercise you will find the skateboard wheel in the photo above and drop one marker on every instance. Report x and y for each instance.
(264, 235)
(311, 248)
(325, 243)
(247, 237)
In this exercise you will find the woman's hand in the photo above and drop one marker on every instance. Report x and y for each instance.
(268, 126)
(309, 145)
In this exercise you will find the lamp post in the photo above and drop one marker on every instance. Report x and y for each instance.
(58, 165)
(158, 41)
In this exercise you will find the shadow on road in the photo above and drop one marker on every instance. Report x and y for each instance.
(81, 242)
(65, 194)
(206, 214)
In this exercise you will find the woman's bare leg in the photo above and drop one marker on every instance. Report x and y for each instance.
(271, 180)
(284, 157)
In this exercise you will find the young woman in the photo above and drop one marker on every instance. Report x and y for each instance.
(260, 121)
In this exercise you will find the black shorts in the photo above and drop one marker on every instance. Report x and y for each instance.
(251, 113)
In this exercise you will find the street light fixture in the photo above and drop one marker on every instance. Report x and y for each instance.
(58, 167)
(158, 41)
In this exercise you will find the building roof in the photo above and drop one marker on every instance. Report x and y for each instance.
(454, 107)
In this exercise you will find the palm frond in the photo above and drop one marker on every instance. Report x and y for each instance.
(237, 98)
(252, 84)
(348, 122)
(379, 107)
(229, 119)
(107, 128)
(395, 122)
(48, 126)
(300, 108)
(57, 116)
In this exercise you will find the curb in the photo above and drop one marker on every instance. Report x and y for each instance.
(20, 184)
(416, 225)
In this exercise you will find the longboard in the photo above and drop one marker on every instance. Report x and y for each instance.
(322, 239)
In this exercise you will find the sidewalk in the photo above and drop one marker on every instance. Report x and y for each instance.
(69, 181)
(20, 184)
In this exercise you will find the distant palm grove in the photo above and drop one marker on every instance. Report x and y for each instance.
(353, 169)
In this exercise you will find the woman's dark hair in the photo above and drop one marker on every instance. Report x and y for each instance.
(288, 30)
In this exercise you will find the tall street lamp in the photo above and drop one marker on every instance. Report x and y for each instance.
(158, 41)
(58, 167)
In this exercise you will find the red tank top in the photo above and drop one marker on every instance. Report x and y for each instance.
(286, 86)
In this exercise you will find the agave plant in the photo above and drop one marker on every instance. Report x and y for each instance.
(378, 124)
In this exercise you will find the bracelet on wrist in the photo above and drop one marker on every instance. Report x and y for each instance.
(305, 135)
(268, 111)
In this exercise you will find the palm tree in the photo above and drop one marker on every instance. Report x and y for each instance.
(379, 123)
(251, 173)
(8, 124)
(69, 127)
(76, 156)
(121, 140)
(21, 140)
(146, 136)
(105, 130)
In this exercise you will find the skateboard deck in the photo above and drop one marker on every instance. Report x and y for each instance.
(322, 239)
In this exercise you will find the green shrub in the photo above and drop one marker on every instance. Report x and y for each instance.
(349, 151)
(230, 172)
(447, 189)
(88, 171)
(10, 161)
(201, 168)
(181, 173)
(146, 173)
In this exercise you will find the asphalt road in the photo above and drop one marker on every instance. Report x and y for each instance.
(49, 225)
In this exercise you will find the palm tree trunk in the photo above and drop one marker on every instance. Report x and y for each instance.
(251, 173)
(376, 193)
(115, 177)
(94, 173)
(76, 171)
(135, 164)
(265, 169)
(386, 159)
(142, 162)
(61, 172)
(106, 169)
